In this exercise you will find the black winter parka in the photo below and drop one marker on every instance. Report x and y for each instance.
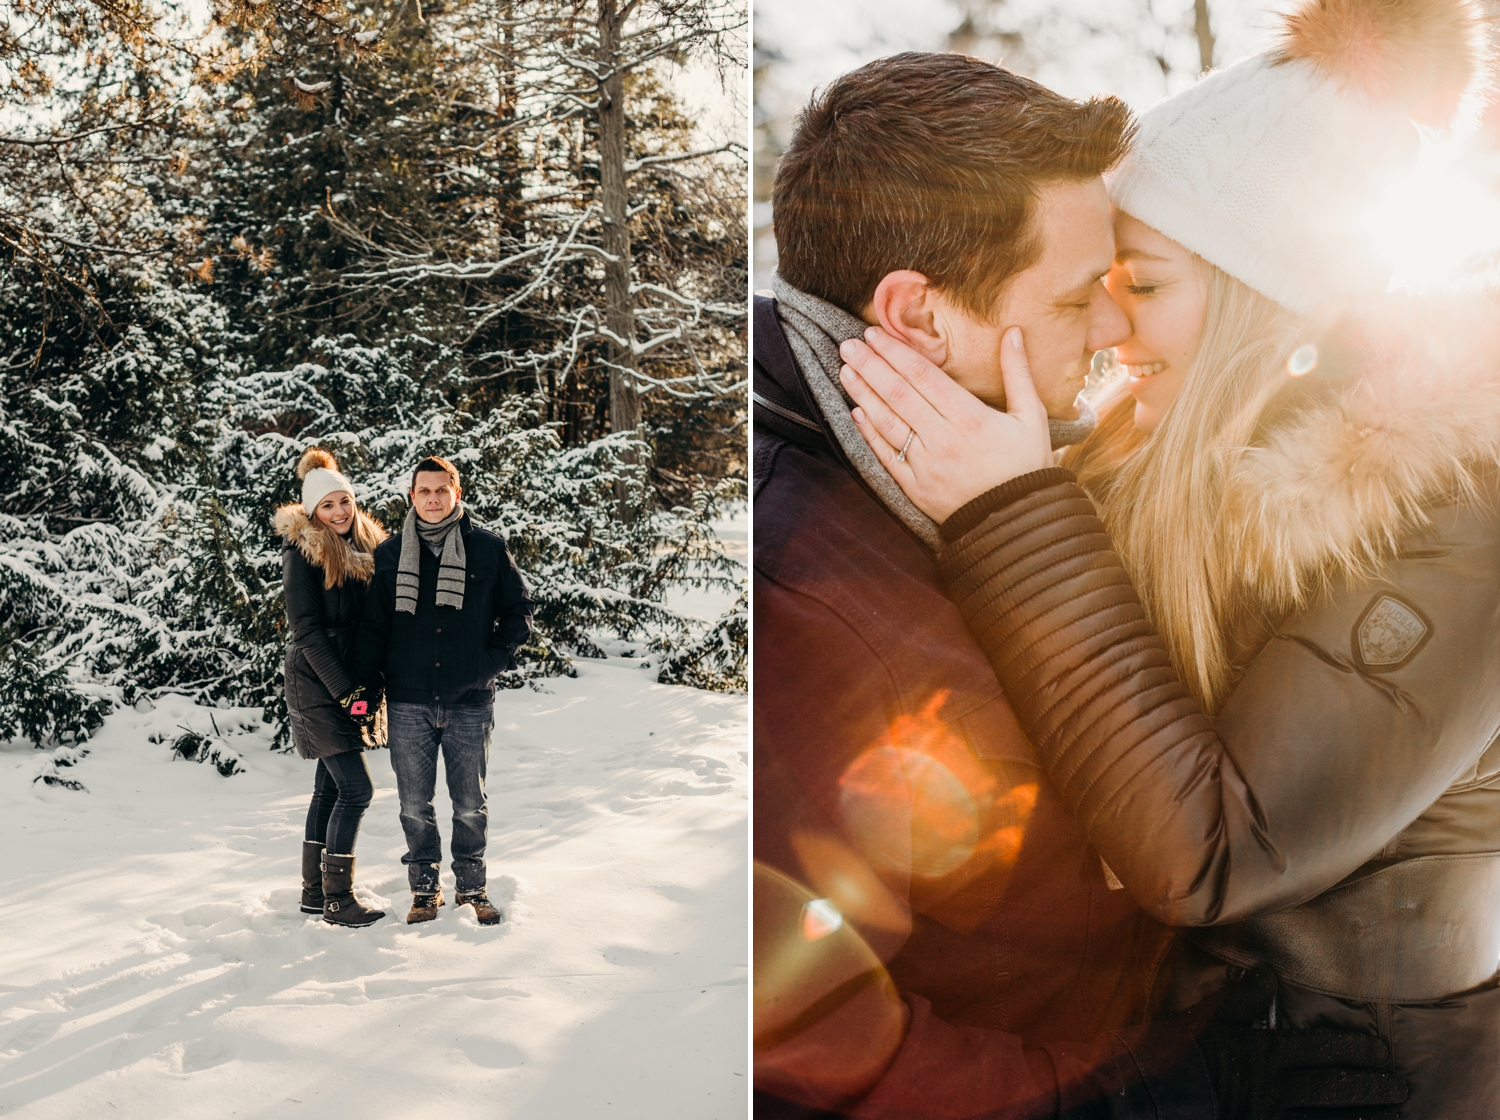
(323, 622)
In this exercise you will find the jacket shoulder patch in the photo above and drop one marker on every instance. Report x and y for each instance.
(1389, 633)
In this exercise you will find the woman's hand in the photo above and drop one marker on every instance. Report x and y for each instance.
(956, 447)
(361, 706)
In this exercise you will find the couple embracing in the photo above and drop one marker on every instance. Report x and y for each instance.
(1158, 776)
(400, 639)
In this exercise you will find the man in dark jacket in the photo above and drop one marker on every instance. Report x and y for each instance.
(445, 614)
(934, 935)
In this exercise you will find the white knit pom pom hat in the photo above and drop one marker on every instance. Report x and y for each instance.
(320, 476)
(1268, 168)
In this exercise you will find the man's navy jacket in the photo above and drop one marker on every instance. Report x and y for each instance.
(441, 655)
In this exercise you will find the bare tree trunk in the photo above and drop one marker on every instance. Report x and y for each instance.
(1205, 33)
(506, 104)
(619, 312)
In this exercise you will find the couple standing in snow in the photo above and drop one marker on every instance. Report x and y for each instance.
(396, 638)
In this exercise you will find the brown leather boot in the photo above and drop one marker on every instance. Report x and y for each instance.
(484, 909)
(340, 907)
(424, 907)
(312, 877)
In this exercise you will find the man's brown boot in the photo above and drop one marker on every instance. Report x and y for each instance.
(424, 907)
(312, 877)
(484, 909)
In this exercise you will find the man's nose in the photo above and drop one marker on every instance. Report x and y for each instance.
(1108, 324)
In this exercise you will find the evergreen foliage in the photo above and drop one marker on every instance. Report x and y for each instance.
(38, 700)
(716, 659)
(376, 266)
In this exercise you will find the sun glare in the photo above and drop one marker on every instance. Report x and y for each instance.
(1438, 226)
(820, 917)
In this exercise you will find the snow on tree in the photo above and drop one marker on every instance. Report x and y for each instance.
(340, 241)
(640, 259)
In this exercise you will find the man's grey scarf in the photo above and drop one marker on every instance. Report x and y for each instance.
(452, 564)
(815, 328)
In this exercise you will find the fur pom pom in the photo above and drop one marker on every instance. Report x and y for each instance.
(313, 458)
(1419, 54)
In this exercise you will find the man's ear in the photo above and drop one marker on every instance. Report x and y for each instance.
(907, 306)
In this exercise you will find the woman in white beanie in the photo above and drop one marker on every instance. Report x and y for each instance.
(326, 563)
(1268, 683)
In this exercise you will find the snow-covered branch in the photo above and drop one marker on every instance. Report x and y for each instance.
(648, 161)
(73, 138)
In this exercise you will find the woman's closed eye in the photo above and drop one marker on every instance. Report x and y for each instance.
(1141, 289)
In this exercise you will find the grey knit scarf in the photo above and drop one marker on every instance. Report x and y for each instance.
(814, 328)
(452, 564)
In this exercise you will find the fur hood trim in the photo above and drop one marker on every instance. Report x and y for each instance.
(294, 526)
(1332, 490)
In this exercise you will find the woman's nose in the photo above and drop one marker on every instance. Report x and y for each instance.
(1108, 323)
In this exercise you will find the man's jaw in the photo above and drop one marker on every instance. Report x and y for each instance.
(1058, 408)
(1061, 409)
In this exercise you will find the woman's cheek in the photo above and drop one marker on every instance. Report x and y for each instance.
(1181, 330)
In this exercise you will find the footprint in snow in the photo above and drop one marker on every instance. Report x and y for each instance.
(199, 1054)
(28, 1036)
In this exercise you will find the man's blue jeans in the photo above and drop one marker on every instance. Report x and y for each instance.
(462, 733)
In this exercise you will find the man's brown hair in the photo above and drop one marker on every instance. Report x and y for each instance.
(930, 162)
(435, 463)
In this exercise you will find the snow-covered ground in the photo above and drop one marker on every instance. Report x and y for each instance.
(153, 961)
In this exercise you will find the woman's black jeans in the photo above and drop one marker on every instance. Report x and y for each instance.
(341, 794)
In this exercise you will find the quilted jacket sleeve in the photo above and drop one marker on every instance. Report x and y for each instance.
(1318, 759)
(304, 612)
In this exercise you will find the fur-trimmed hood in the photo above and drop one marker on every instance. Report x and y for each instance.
(293, 525)
(1332, 488)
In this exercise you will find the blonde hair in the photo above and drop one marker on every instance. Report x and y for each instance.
(1161, 495)
(348, 556)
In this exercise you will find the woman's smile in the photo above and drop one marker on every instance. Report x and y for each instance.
(1160, 286)
(337, 512)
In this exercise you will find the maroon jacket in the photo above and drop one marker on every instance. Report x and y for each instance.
(882, 739)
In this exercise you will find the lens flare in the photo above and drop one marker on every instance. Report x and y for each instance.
(827, 1017)
(922, 806)
(820, 917)
(908, 812)
(836, 872)
(1437, 227)
(1303, 361)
